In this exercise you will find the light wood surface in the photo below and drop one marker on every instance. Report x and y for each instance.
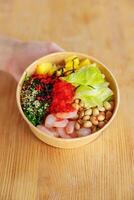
(102, 170)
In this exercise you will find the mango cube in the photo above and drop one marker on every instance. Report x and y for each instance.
(45, 68)
(85, 62)
(72, 62)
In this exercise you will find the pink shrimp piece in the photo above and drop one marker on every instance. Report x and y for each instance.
(47, 131)
(69, 115)
(84, 131)
(49, 121)
(62, 133)
(74, 135)
(56, 134)
(60, 123)
(52, 121)
(70, 127)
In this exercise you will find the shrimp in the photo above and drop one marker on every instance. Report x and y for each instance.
(60, 123)
(62, 133)
(56, 134)
(74, 135)
(49, 121)
(70, 127)
(52, 121)
(67, 115)
(47, 131)
(84, 131)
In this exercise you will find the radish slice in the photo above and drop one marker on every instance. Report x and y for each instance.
(47, 131)
(69, 115)
(61, 123)
(62, 133)
(70, 127)
(84, 131)
(49, 122)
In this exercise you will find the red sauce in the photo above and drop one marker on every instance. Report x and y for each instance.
(63, 94)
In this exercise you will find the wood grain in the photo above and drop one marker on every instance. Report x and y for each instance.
(32, 170)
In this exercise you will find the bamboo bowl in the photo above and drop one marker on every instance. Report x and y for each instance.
(74, 142)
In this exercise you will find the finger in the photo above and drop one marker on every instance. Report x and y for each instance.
(53, 47)
(28, 52)
(38, 49)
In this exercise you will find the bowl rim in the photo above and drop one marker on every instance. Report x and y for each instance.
(18, 91)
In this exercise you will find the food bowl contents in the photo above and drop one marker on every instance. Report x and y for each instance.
(69, 99)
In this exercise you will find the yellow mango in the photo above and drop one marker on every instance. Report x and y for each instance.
(70, 58)
(72, 62)
(69, 65)
(45, 68)
(76, 61)
(58, 73)
(85, 62)
(53, 69)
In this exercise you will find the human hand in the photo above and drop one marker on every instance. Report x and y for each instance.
(24, 53)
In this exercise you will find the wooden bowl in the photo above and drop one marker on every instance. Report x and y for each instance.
(74, 142)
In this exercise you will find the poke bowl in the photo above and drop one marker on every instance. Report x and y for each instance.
(68, 99)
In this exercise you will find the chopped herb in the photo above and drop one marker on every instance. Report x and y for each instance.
(36, 97)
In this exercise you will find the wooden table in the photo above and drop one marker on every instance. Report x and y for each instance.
(102, 170)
